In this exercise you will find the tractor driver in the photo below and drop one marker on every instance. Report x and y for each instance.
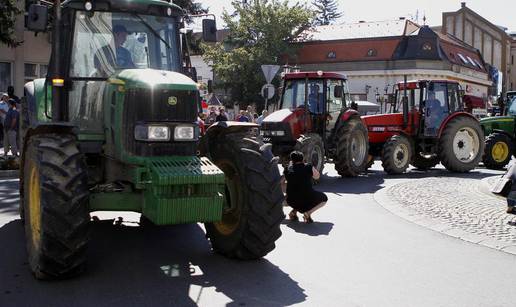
(434, 110)
(314, 99)
(105, 58)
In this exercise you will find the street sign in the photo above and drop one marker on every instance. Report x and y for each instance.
(269, 71)
(267, 91)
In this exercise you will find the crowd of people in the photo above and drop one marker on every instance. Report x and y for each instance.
(9, 121)
(219, 114)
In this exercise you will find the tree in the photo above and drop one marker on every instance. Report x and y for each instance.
(8, 13)
(260, 32)
(326, 11)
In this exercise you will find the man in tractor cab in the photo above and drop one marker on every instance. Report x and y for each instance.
(106, 58)
(434, 111)
(314, 99)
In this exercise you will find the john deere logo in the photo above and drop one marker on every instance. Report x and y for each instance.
(172, 100)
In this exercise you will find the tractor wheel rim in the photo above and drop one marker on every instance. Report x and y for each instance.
(466, 144)
(401, 155)
(317, 157)
(358, 148)
(35, 207)
(233, 197)
(500, 152)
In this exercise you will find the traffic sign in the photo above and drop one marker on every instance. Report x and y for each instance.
(269, 71)
(267, 91)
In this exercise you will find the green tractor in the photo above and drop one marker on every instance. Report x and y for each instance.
(114, 127)
(500, 134)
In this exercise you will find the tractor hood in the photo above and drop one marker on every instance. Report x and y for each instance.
(383, 120)
(152, 78)
(492, 119)
(278, 116)
(505, 123)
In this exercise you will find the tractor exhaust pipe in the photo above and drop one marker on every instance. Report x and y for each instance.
(405, 102)
(57, 113)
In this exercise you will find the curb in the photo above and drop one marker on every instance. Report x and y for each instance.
(382, 198)
(9, 174)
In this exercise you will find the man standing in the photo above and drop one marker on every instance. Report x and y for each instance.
(10, 92)
(4, 107)
(261, 117)
(11, 127)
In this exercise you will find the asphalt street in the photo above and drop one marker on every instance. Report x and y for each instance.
(356, 254)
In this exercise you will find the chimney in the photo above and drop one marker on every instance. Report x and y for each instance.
(463, 4)
(402, 18)
(361, 21)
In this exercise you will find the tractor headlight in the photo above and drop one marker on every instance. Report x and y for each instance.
(278, 133)
(184, 133)
(151, 133)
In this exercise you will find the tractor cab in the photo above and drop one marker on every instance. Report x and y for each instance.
(315, 97)
(313, 108)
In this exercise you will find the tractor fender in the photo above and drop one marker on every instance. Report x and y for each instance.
(222, 128)
(348, 114)
(504, 132)
(453, 116)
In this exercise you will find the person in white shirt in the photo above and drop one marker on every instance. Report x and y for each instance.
(261, 117)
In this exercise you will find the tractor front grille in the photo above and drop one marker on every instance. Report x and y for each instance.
(145, 106)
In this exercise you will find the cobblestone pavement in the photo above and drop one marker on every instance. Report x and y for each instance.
(460, 207)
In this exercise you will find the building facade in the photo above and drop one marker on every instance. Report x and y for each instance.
(491, 40)
(26, 62)
(377, 55)
(512, 64)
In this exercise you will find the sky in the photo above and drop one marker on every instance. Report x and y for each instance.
(499, 12)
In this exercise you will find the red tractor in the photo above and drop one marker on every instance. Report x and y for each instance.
(314, 116)
(427, 126)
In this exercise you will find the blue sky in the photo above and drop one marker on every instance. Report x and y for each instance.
(500, 12)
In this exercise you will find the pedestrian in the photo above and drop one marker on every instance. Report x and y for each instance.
(4, 107)
(212, 117)
(222, 117)
(10, 92)
(300, 194)
(200, 122)
(243, 117)
(12, 119)
(260, 119)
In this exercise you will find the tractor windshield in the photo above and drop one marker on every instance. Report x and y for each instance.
(511, 107)
(294, 95)
(105, 42)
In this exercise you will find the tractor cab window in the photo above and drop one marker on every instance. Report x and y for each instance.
(334, 103)
(453, 97)
(294, 94)
(512, 107)
(105, 42)
(413, 96)
(436, 107)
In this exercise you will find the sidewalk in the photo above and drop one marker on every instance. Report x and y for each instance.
(459, 207)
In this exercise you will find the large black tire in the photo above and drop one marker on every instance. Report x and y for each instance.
(55, 205)
(424, 162)
(461, 144)
(397, 154)
(498, 150)
(351, 156)
(253, 211)
(312, 147)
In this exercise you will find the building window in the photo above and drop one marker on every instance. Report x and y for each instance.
(331, 55)
(372, 52)
(427, 47)
(463, 59)
(512, 59)
(34, 71)
(5, 76)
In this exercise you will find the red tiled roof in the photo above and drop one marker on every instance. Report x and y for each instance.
(349, 50)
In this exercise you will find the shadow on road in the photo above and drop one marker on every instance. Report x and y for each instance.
(9, 196)
(314, 229)
(157, 266)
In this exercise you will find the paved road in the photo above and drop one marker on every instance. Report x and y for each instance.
(356, 254)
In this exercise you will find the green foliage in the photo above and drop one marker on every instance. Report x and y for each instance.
(326, 11)
(260, 32)
(8, 12)
(191, 7)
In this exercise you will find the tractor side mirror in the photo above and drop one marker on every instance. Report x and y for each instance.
(209, 30)
(210, 86)
(337, 91)
(37, 18)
